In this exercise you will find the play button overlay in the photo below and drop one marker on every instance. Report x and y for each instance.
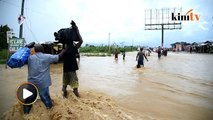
(27, 93)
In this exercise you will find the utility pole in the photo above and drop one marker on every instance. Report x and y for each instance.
(21, 26)
(132, 44)
(109, 43)
(162, 29)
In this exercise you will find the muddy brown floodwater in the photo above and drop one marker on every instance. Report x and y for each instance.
(176, 87)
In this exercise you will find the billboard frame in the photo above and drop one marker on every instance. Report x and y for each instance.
(160, 19)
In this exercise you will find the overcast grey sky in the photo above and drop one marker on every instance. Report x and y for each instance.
(124, 19)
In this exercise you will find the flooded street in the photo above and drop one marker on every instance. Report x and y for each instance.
(179, 86)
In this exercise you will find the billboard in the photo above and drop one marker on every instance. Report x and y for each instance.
(158, 19)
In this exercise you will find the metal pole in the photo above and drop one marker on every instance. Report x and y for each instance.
(21, 26)
(162, 36)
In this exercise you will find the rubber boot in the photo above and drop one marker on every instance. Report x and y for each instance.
(64, 89)
(75, 91)
(27, 108)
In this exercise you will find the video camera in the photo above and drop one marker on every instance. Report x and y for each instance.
(67, 35)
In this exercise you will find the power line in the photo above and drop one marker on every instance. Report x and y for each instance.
(29, 28)
(28, 18)
(26, 8)
(10, 3)
(33, 35)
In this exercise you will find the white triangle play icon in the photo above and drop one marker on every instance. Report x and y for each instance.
(26, 93)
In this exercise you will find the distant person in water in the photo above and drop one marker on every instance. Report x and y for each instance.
(140, 58)
(190, 49)
(159, 53)
(116, 54)
(165, 52)
(124, 54)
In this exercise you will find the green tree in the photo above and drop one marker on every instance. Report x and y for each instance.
(3, 36)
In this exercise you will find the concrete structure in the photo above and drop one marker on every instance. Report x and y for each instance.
(180, 46)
